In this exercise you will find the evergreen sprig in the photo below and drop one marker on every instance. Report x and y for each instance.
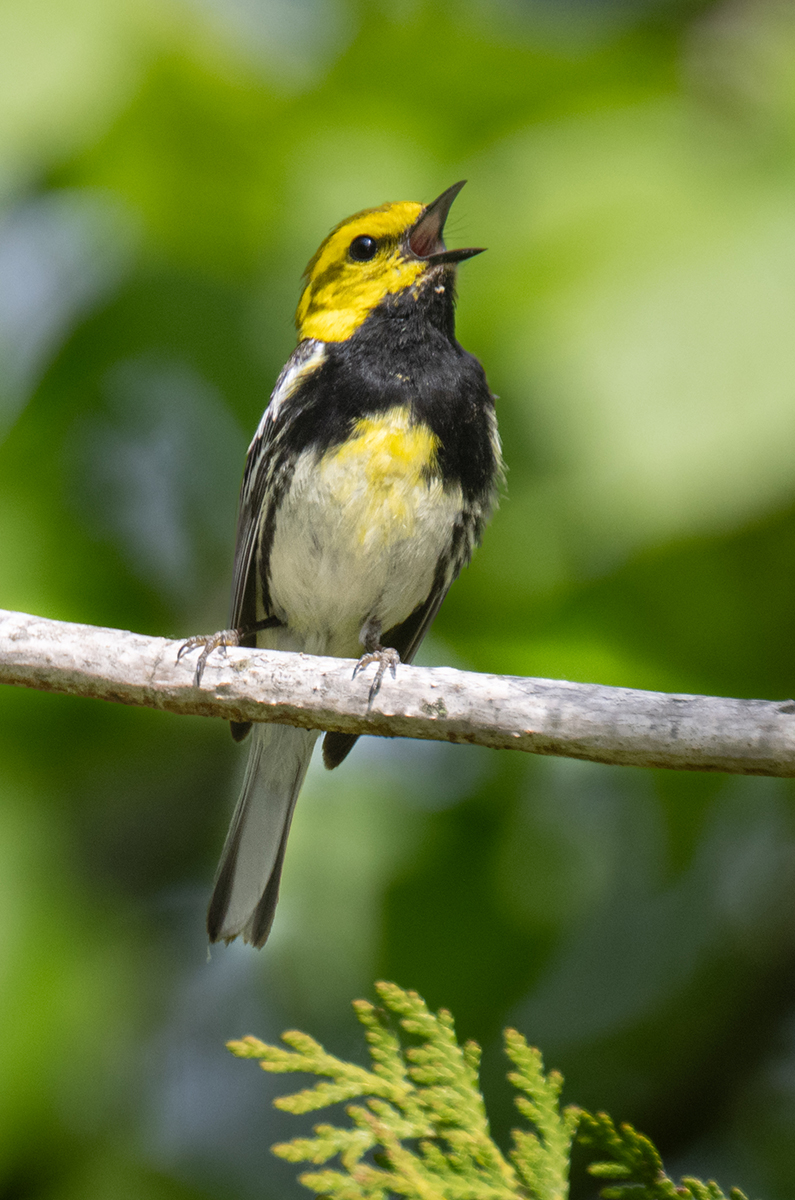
(421, 1130)
(636, 1167)
(541, 1157)
(423, 1116)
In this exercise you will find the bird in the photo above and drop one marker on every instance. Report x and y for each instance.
(366, 488)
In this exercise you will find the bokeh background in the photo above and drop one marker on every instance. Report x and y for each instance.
(167, 167)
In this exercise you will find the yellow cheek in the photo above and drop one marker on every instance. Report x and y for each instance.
(334, 312)
(382, 474)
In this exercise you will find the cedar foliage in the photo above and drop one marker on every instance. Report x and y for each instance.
(420, 1129)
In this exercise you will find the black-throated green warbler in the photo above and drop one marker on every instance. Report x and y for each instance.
(366, 488)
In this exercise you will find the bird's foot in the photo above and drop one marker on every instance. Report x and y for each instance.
(208, 642)
(386, 657)
(220, 640)
(387, 660)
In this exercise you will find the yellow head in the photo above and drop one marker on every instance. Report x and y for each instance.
(373, 254)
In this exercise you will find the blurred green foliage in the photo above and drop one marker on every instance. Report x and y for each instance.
(166, 170)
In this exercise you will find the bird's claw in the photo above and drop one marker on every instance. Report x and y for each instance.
(387, 659)
(208, 642)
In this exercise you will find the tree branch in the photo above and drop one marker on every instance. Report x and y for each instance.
(576, 720)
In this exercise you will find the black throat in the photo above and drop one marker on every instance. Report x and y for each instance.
(404, 355)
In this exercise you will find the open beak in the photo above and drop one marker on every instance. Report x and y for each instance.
(425, 236)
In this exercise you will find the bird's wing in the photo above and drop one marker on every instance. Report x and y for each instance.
(259, 492)
(260, 479)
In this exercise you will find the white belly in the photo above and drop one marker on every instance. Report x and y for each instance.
(359, 535)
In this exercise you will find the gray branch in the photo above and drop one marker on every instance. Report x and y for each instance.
(577, 720)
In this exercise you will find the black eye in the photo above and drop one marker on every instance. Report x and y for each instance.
(362, 249)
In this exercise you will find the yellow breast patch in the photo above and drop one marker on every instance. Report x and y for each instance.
(382, 474)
